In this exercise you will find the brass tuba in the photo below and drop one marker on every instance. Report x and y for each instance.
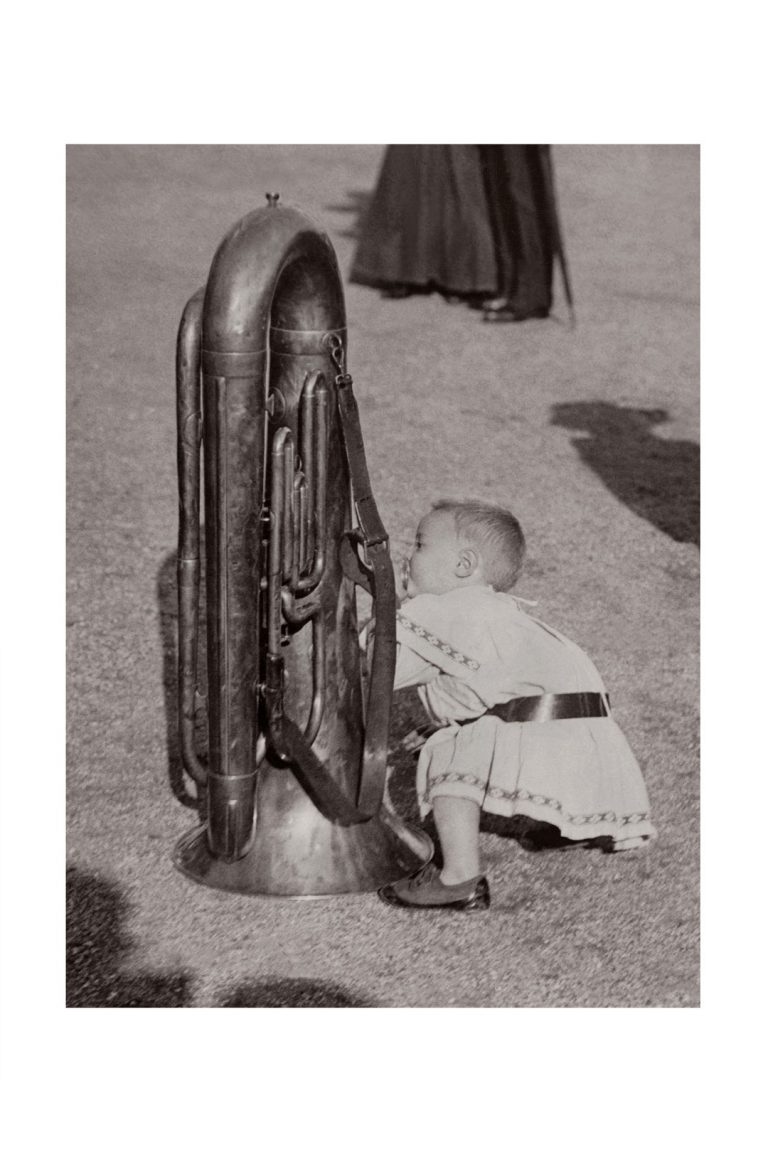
(295, 776)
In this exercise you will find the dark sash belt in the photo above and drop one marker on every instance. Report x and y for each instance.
(551, 706)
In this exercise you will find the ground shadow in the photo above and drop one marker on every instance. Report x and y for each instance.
(407, 714)
(537, 835)
(97, 947)
(357, 207)
(292, 993)
(168, 614)
(658, 479)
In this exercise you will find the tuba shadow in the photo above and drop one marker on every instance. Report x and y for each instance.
(97, 947)
(658, 479)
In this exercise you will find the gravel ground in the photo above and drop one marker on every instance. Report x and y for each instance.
(591, 435)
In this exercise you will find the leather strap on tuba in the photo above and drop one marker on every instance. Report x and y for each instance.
(380, 582)
(375, 575)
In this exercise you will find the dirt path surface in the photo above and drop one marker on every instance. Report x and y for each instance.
(590, 435)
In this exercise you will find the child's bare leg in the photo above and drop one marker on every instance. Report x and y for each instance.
(458, 825)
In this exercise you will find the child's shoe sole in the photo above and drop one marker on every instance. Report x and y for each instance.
(477, 900)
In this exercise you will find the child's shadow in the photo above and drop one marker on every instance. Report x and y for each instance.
(658, 479)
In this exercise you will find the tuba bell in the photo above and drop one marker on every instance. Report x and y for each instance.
(293, 785)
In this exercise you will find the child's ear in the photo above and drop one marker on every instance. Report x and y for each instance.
(467, 562)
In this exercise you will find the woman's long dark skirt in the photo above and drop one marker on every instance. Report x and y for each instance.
(428, 224)
(465, 219)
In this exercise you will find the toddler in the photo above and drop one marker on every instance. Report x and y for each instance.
(524, 721)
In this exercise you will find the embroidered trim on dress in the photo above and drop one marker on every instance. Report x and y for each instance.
(522, 794)
(436, 642)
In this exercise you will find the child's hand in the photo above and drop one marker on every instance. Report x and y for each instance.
(414, 739)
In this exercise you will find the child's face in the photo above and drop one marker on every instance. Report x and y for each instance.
(433, 562)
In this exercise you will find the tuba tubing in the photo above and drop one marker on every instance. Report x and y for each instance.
(189, 423)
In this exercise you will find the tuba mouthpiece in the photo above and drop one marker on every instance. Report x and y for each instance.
(272, 198)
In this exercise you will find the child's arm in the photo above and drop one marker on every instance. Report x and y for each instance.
(411, 669)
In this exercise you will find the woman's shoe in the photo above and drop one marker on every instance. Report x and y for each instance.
(426, 890)
(496, 304)
(396, 292)
(509, 315)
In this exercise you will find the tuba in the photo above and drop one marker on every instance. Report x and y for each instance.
(293, 785)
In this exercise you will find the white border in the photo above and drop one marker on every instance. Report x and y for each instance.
(599, 73)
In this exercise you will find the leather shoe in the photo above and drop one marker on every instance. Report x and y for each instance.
(510, 315)
(496, 303)
(396, 292)
(427, 890)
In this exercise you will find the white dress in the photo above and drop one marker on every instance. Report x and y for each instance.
(472, 648)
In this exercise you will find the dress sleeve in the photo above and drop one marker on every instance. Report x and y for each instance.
(429, 658)
(446, 698)
(411, 669)
(424, 627)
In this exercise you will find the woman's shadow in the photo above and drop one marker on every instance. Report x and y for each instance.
(658, 479)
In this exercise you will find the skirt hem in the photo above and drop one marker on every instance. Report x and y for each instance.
(619, 826)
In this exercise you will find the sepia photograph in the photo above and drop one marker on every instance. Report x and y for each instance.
(383, 575)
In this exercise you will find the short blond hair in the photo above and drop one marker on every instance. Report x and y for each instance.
(496, 534)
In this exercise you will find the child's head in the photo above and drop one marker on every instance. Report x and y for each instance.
(465, 542)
